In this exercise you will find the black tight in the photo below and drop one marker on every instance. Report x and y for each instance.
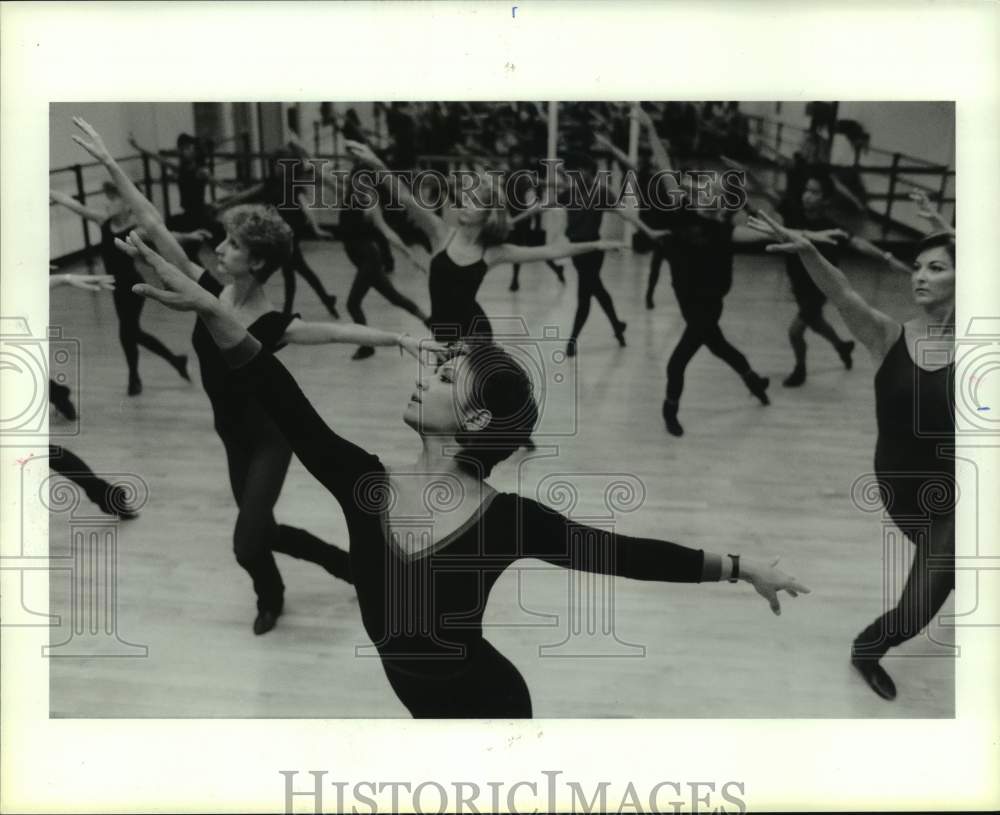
(810, 319)
(654, 272)
(297, 265)
(702, 319)
(370, 263)
(588, 269)
(130, 334)
(257, 471)
(930, 581)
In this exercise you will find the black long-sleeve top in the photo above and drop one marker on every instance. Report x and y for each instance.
(427, 609)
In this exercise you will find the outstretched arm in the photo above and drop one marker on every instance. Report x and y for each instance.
(633, 218)
(875, 330)
(76, 207)
(301, 332)
(510, 253)
(87, 282)
(390, 235)
(429, 222)
(147, 215)
(554, 538)
(869, 249)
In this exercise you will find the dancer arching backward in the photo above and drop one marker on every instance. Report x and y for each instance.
(422, 598)
(810, 212)
(282, 189)
(257, 242)
(916, 424)
(115, 223)
(111, 499)
(461, 256)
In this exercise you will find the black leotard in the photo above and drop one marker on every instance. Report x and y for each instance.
(808, 295)
(455, 314)
(424, 612)
(915, 411)
(235, 413)
(116, 263)
(700, 252)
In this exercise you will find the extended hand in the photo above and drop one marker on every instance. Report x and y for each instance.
(179, 291)
(97, 282)
(93, 143)
(827, 236)
(769, 580)
(363, 153)
(791, 241)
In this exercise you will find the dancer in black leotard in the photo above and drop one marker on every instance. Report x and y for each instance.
(117, 223)
(257, 242)
(700, 251)
(808, 194)
(461, 256)
(422, 596)
(915, 416)
(585, 207)
(525, 231)
(363, 231)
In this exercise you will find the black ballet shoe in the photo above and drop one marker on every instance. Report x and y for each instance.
(134, 386)
(330, 302)
(670, 418)
(181, 364)
(363, 352)
(796, 378)
(114, 501)
(514, 286)
(62, 403)
(876, 676)
(620, 333)
(758, 386)
(571, 348)
(845, 349)
(265, 621)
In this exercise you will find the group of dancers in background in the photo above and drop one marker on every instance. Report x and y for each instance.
(472, 393)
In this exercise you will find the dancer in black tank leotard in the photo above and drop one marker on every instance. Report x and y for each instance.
(422, 597)
(809, 191)
(462, 255)
(128, 307)
(257, 243)
(915, 415)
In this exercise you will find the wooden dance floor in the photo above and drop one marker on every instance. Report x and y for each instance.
(759, 481)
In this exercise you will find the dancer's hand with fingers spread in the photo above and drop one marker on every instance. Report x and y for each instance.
(179, 291)
(93, 143)
(827, 236)
(790, 240)
(769, 580)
